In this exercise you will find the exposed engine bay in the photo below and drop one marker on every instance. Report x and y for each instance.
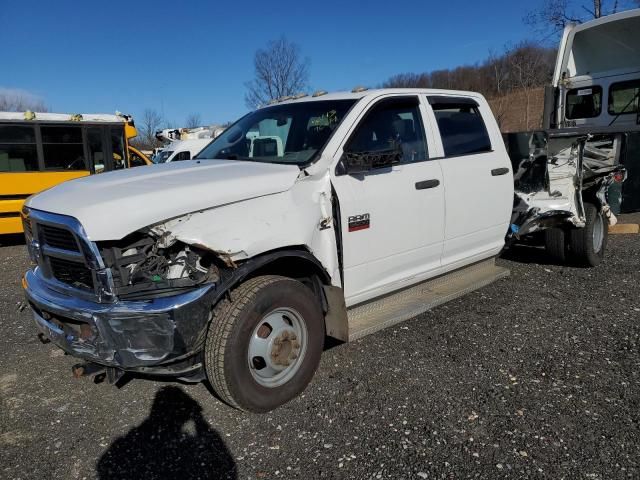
(144, 263)
(554, 176)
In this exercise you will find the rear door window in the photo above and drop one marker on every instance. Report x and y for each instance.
(271, 137)
(461, 127)
(18, 149)
(624, 97)
(584, 102)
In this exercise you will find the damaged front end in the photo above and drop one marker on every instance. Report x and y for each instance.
(148, 265)
(141, 304)
(555, 175)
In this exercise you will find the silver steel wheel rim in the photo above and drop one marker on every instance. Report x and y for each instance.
(277, 347)
(598, 233)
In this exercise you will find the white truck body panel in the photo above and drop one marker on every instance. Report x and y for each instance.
(476, 202)
(114, 204)
(597, 55)
(599, 46)
(409, 245)
(405, 239)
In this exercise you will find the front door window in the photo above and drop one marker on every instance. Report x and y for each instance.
(392, 125)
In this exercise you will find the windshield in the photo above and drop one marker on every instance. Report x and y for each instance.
(289, 133)
(162, 156)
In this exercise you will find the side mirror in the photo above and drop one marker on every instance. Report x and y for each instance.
(355, 163)
(361, 162)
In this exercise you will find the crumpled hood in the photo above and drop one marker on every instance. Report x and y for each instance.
(112, 205)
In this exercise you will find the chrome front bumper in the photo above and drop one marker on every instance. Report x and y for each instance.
(123, 334)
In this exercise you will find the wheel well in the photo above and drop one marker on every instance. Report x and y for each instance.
(298, 264)
(299, 268)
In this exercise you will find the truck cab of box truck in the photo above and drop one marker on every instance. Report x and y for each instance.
(596, 91)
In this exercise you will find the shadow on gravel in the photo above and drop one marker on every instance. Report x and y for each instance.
(11, 239)
(175, 441)
(529, 254)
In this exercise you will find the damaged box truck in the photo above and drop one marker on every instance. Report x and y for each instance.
(595, 91)
(332, 215)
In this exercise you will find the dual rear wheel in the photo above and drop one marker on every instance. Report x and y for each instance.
(585, 246)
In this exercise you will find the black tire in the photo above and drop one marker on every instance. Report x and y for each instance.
(581, 242)
(230, 332)
(555, 244)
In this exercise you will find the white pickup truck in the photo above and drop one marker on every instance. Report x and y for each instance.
(332, 215)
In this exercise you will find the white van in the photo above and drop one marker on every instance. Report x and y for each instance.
(181, 150)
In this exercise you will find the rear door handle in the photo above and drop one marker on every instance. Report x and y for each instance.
(427, 184)
(499, 171)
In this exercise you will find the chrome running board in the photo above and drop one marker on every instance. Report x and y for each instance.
(397, 307)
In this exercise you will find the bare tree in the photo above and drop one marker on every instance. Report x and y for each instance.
(498, 71)
(16, 100)
(193, 120)
(529, 68)
(408, 80)
(151, 122)
(554, 15)
(500, 108)
(280, 71)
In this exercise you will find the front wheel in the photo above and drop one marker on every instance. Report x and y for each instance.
(589, 243)
(264, 345)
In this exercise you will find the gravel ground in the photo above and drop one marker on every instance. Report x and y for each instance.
(535, 376)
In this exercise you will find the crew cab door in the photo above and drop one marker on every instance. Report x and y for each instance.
(392, 217)
(477, 176)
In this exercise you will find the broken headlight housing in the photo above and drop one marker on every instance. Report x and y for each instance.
(143, 263)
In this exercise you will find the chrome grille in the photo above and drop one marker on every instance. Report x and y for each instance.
(72, 273)
(67, 260)
(28, 231)
(58, 238)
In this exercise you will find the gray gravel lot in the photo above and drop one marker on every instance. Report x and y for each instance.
(535, 376)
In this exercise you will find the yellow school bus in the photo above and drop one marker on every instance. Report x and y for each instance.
(40, 150)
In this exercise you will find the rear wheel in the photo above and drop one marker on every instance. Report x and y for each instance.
(588, 244)
(264, 345)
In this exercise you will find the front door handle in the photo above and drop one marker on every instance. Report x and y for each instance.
(499, 171)
(427, 184)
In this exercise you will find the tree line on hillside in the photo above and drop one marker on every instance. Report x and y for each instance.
(526, 65)
(522, 68)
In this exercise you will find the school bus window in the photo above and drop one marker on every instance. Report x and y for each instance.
(62, 148)
(117, 145)
(96, 148)
(18, 151)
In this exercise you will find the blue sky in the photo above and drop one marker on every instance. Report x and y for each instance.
(195, 56)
